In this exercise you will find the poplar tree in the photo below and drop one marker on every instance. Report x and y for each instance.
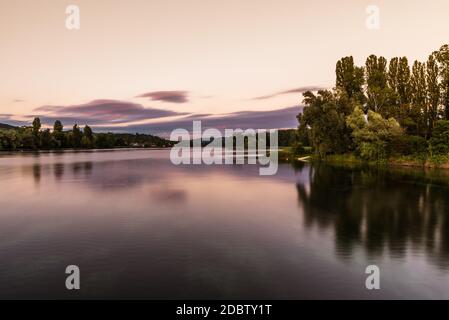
(433, 92)
(418, 96)
(443, 60)
(376, 83)
(350, 79)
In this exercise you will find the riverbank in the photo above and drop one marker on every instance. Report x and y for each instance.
(435, 162)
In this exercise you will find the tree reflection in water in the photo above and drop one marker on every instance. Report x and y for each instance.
(383, 211)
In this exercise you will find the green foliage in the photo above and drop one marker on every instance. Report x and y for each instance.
(76, 136)
(287, 138)
(377, 90)
(404, 106)
(34, 138)
(442, 56)
(439, 142)
(409, 145)
(373, 135)
(87, 141)
(324, 120)
(350, 79)
(58, 134)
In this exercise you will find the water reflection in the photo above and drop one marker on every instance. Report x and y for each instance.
(385, 211)
(37, 173)
(140, 227)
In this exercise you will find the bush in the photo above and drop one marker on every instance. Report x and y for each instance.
(408, 145)
(439, 143)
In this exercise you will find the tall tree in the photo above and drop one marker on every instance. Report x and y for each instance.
(418, 96)
(76, 136)
(87, 140)
(403, 81)
(325, 122)
(36, 133)
(36, 126)
(58, 133)
(376, 83)
(58, 127)
(350, 79)
(443, 60)
(399, 82)
(433, 92)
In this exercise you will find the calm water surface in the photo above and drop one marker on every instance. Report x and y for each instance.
(140, 227)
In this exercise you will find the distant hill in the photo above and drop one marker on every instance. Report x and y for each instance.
(7, 126)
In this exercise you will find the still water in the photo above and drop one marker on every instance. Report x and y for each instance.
(139, 227)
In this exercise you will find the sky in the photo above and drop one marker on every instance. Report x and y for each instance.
(155, 65)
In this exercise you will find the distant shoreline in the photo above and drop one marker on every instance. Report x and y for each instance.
(80, 150)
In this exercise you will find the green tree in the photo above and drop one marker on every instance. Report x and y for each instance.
(27, 139)
(36, 133)
(324, 119)
(439, 143)
(433, 92)
(418, 96)
(443, 59)
(76, 136)
(377, 88)
(350, 79)
(58, 133)
(87, 140)
(47, 140)
(36, 126)
(372, 134)
(399, 83)
(403, 81)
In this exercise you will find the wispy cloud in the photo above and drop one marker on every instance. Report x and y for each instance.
(272, 119)
(167, 96)
(100, 112)
(118, 116)
(7, 118)
(290, 91)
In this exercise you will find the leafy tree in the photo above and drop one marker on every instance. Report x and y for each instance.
(350, 79)
(76, 136)
(433, 93)
(58, 133)
(443, 59)
(87, 140)
(8, 140)
(27, 139)
(418, 95)
(372, 134)
(47, 141)
(324, 119)
(36, 126)
(36, 131)
(440, 139)
(403, 81)
(378, 92)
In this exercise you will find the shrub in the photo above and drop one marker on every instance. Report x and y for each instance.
(408, 145)
(439, 143)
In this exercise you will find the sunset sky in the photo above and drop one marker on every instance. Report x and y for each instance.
(154, 65)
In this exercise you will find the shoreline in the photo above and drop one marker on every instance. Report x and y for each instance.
(404, 161)
(80, 150)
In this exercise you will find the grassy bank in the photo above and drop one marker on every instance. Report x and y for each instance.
(434, 162)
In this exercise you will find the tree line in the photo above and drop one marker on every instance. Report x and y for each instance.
(381, 109)
(35, 138)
